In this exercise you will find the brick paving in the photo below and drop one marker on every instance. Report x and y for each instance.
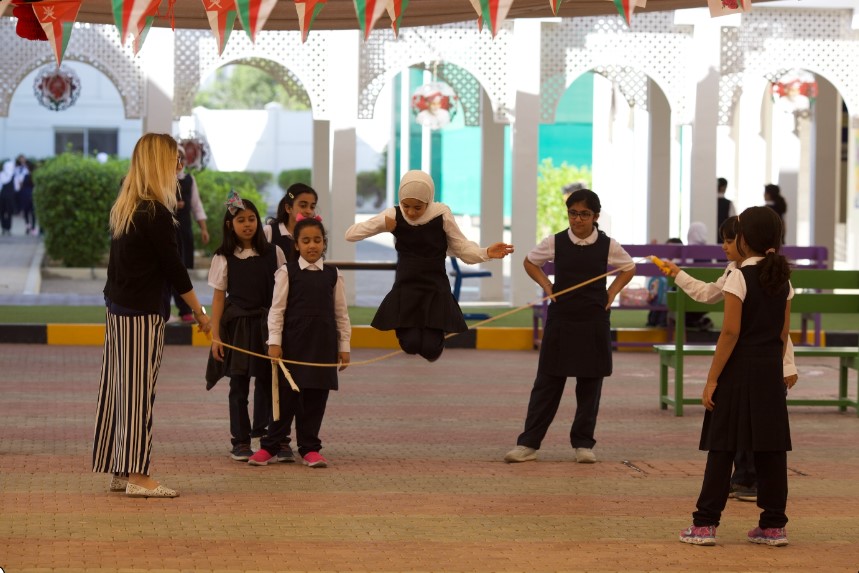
(416, 481)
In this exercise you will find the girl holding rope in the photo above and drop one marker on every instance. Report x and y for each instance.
(242, 276)
(420, 306)
(577, 337)
(308, 321)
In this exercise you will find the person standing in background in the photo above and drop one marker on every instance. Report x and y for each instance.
(23, 180)
(724, 207)
(188, 205)
(774, 200)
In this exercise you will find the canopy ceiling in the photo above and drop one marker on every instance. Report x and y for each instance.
(340, 14)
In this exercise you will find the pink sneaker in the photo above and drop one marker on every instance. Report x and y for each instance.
(188, 318)
(315, 460)
(260, 458)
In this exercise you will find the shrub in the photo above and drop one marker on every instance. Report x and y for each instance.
(214, 186)
(551, 210)
(290, 176)
(370, 185)
(73, 196)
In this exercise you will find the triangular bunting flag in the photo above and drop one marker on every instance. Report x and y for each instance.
(307, 12)
(555, 4)
(726, 7)
(3, 5)
(140, 36)
(625, 8)
(57, 18)
(395, 13)
(222, 16)
(368, 12)
(494, 12)
(477, 8)
(253, 14)
(131, 19)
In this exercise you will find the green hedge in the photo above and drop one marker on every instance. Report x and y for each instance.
(214, 186)
(73, 196)
(551, 180)
(290, 176)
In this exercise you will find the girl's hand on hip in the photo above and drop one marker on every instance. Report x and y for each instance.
(343, 358)
(499, 250)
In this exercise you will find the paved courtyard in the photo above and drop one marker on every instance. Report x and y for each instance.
(416, 481)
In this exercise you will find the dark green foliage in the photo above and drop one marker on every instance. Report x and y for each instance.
(371, 185)
(73, 196)
(290, 176)
(214, 187)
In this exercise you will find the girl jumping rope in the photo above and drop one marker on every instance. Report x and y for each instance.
(746, 387)
(308, 322)
(420, 306)
(577, 337)
(298, 202)
(242, 276)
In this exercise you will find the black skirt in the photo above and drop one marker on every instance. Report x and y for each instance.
(576, 348)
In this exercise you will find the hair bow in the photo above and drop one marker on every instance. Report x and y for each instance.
(301, 217)
(234, 202)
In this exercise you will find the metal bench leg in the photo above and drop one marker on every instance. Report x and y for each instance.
(678, 385)
(663, 384)
(843, 373)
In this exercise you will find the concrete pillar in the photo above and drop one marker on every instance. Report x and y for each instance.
(492, 198)
(343, 90)
(525, 68)
(320, 176)
(853, 193)
(826, 165)
(157, 57)
(659, 175)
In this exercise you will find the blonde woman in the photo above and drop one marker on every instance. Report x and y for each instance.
(144, 265)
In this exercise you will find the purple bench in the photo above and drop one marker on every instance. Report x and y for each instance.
(690, 256)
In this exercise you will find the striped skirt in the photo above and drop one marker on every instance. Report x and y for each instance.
(133, 346)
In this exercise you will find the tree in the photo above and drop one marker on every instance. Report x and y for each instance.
(245, 87)
(551, 180)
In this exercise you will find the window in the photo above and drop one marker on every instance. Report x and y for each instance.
(88, 141)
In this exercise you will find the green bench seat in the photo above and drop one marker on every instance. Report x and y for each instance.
(814, 295)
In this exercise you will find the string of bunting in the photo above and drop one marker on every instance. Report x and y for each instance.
(53, 20)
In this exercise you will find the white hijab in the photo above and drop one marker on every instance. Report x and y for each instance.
(697, 234)
(7, 173)
(419, 185)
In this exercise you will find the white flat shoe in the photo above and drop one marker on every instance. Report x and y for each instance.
(132, 490)
(118, 483)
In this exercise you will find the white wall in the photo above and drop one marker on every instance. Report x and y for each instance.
(29, 128)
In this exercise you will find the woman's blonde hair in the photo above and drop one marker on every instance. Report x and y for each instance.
(151, 177)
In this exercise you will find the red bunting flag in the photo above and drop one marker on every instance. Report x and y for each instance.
(253, 15)
(133, 18)
(395, 13)
(307, 12)
(368, 12)
(57, 18)
(555, 4)
(222, 16)
(494, 12)
(625, 9)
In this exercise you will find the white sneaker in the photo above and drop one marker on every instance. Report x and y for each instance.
(255, 443)
(520, 454)
(585, 456)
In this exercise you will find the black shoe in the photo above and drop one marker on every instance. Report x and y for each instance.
(241, 452)
(285, 455)
(746, 494)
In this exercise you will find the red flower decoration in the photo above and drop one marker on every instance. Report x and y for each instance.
(28, 26)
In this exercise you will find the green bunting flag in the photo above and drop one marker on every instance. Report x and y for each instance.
(222, 16)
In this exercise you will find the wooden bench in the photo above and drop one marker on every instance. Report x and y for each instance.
(813, 295)
(703, 256)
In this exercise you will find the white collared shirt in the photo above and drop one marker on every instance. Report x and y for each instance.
(218, 269)
(266, 229)
(281, 295)
(545, 251)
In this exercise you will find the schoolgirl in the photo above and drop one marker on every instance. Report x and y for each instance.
(308, 322)
(298, 202)
(420, 306)
(242, 276)
(577, 337)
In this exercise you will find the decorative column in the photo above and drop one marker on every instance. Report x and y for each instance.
(492, 197)
(321, 167)
(826, 165)
(525, 68)
(659, 175)
(853, 194)
(157, 58)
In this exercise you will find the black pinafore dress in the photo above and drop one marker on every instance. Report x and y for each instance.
(309, 326)
(420, 297)
(285, 242)
(577, 337)
(185, 229)
(751, 406)
(250, 286)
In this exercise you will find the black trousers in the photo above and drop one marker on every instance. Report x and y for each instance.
(428, 342)
(543, 405)
(744, 470)
(240, 423)
(771, 468)
(308, 409)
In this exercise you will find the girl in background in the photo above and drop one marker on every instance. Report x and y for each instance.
(745, 393)
(420, 306)
(308, 322)
(242, 276)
